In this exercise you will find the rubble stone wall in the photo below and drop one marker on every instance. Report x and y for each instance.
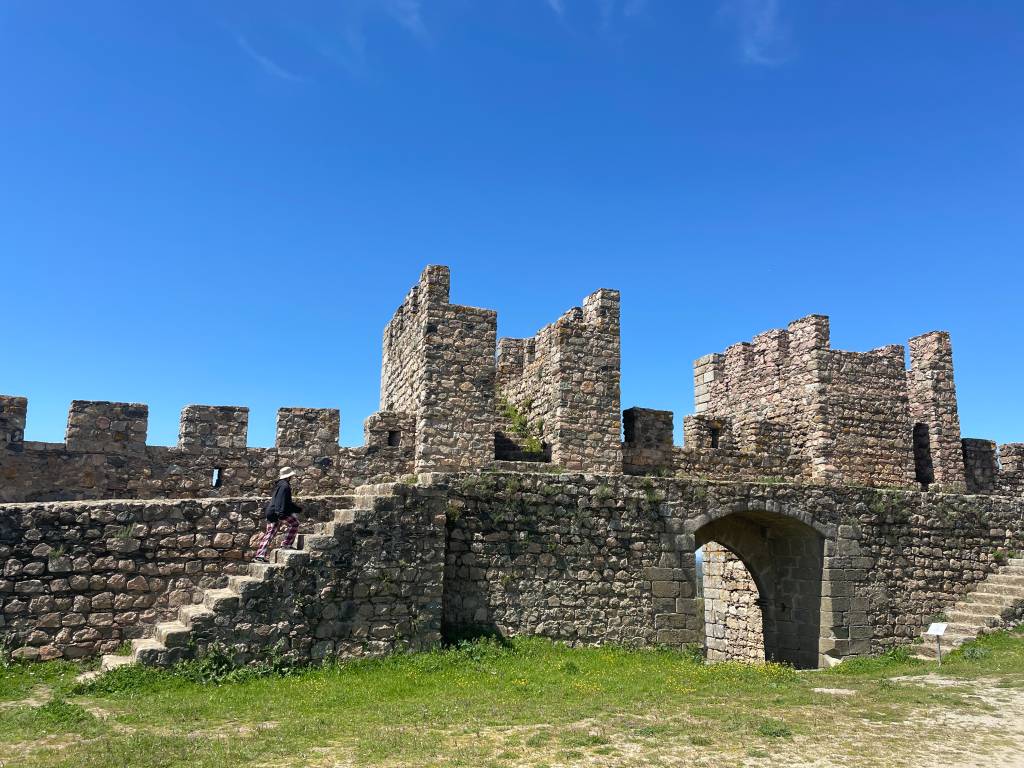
(567, 557)
(868, 418)
(106, 456)
(840, 571)
(438, 365)
(378, 590)
(565, 380)
(80, 578)
(733, 627)
(847, 414)
(933, 404)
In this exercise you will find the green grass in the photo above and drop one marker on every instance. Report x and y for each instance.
(480, 704)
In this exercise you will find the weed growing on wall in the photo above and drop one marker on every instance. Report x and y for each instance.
(531, 433)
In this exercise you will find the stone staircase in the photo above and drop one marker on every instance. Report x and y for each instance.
(171, 641)
(998, 597)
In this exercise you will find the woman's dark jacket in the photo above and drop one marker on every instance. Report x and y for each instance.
(280, 504)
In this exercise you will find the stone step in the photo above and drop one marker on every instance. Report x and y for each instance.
(380, 489)
(927, 651)
(977, 616)
(173, 634)
(1003, 590)
(375, 504)
(112, 661)
(344, 517)
(311, 542)
(148, 651)
(1005, 579)
(260, 570)
(193, 614)
(219, 600)
(241, 584)
(991, 600)
(290, 558)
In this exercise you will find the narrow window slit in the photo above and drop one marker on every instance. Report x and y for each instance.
(924, 472)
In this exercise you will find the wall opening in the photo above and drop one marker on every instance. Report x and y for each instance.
(217, 478)
(394, 438)
(769, 565)
(924, 473)
(733, 621)
(716, 433)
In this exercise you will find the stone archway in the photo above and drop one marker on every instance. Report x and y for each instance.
(785, 559)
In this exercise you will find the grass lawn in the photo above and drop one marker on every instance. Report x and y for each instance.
(532, 702)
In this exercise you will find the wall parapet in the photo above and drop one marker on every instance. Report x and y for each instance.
(106, 455)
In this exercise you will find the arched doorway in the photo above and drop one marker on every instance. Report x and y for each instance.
(784, 559)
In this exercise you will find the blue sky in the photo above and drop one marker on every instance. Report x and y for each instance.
(214, 202)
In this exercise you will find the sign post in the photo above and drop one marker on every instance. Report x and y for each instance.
(937, 628)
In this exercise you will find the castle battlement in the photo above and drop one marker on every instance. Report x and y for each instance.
(783, 405)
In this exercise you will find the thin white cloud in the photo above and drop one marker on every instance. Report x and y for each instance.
(558, 6)
(764, 35)
(408, 13)
(607, 9)
(349, 48)
(268, 65)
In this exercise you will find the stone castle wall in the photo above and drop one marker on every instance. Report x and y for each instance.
(566, 557)
(859, 569)
(851, 415)
(81, 578)
(438, 366)
(840, 571)
(565, 380)
(105, 455)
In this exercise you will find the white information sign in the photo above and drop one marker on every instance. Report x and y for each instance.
(937, 628)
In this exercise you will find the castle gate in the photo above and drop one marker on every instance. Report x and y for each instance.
(785, 561)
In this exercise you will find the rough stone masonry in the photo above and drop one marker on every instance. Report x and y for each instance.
(502, 489)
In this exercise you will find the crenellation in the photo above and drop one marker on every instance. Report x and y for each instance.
(392, 429)
(1011, 458)
(96, 426)
(933, 405)
(981, 465)
(13, 415)
(220, 429)
(808, 334)
(316, 430)
(647, 441)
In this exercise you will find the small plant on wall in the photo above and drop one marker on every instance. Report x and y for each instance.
(520, 424)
